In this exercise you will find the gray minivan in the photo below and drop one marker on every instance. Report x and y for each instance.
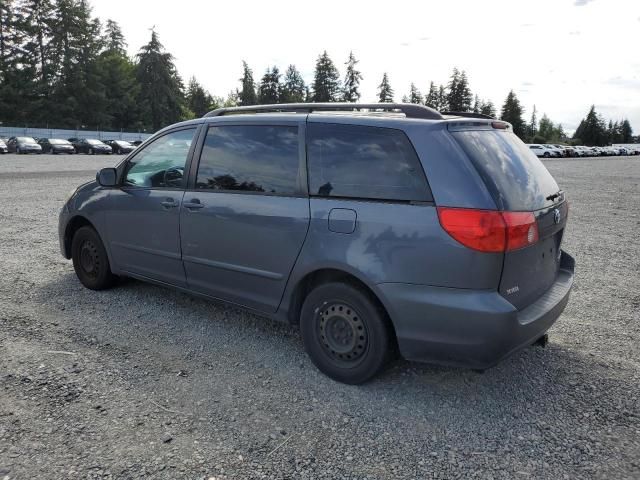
(378, 228)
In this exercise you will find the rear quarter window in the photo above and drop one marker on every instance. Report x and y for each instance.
(516, 178)
(363, 162)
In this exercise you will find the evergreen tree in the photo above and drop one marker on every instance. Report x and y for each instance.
(431, 100)
(592, 130)
(247, 95)
(10, 59)
(114, 39)
(161, 95)
(626, 131)
(198, 100)
(546, 129)
(488, 109)
(414, 95)
(385, 92)
(443, 103)
(269, 89)
(351, 85)
(326, 86)
(533, 123)
(477, 104)
(466, 97)
(512, 112)
(459, 97)
(293, 87)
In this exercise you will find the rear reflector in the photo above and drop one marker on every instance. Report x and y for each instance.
(489, 230)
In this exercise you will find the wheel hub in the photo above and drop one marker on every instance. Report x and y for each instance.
(342, 333)
(89, 260)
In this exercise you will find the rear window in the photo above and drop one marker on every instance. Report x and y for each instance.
(516, 178)
(364, 162)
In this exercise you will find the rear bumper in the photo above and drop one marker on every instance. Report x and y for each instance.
(470, 328)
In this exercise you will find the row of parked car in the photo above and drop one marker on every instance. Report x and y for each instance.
(72, 145)
(549, 151)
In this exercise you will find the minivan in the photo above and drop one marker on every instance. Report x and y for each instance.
(379, 229)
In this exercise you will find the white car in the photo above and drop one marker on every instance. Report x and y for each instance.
(558, 151)
(542, 151)
(584, 151)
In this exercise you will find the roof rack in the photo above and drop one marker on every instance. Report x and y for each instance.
(410, 110)
(469, 115)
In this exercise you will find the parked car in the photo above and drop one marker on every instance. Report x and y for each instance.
(120, 146)
(559, 152)
(89, 146)
(3, 147)
(23, 145)
(583, 151)
(56, 145)
(542, 151)
(610, 151)
(367, 230)
(633, 150)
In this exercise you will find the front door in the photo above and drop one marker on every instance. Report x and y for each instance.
(244, 221)
(144, 214)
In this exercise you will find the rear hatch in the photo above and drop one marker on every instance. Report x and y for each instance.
(519, 182)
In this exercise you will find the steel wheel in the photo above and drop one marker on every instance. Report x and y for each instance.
(344, 336)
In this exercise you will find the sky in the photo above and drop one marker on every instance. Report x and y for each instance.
(560, 55)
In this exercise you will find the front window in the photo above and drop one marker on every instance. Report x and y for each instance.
(161, 163)
(25, 140)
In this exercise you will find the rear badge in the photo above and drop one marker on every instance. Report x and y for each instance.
(556, 216)
(513, 290)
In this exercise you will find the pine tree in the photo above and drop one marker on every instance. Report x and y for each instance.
(466, 97)
(269, 89)
(293, 87)
(10, 59)
(385, 92)
(627, 131)
(477, 104)
(414, 95)
(546, 129)
(326, 86)
(592, 130)
(488, 109)
(431, 100)
(443, 104)
(512, 112)
(118, 75)
(351, 85)
(161, 95)
(533, 123)
(114, 39)
(198, 100)
(247, 95)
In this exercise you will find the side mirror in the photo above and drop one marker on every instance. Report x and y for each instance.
(107, 177)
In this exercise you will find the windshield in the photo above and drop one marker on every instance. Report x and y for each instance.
(25, 140)
(122, 143)
(56, 141)
(94, 142)
(513, 174)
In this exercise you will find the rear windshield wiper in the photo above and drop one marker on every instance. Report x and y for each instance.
(555, 195)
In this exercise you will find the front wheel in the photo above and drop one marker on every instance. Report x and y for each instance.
(345, 332)
(90, 260)
(91, 151)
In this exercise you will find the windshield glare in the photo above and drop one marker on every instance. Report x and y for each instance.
(56, 141)
(94, 142)
(26, 140)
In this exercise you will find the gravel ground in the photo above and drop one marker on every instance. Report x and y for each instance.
(140, 381)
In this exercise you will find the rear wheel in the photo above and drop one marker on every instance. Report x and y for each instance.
(546, 154)
(91, 151)
(90, 260)
(345, 332)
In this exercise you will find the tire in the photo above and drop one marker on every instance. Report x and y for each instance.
(90, 260)
(18, 152)
(546, 155)
(345, 332)
(90, 151)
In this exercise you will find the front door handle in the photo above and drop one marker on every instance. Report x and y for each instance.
(169, 203)
(193, 204)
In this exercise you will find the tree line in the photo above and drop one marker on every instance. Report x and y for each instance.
(61, 67)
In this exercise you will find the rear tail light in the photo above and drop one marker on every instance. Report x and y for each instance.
(489, 230)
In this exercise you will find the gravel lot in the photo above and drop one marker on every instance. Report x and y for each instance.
(140, 381)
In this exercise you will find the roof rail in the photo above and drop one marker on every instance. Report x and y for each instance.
(469, 115)
(410, 110)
